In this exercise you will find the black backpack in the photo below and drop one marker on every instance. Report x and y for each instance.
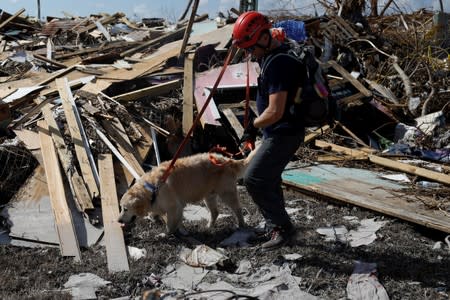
(312, 105)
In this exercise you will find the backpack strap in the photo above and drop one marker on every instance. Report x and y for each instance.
(272, 57)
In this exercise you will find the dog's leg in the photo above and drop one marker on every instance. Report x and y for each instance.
(231, 199)
(174, 219)
(211, 204)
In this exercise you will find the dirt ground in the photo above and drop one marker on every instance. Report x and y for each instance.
(408, 267)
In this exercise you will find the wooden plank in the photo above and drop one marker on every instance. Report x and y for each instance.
(348, 28)
(350, 133)
(399, 166)
(365, 189)
(63, 217)
(140, 68)
(118, 134)
(4, 23)
(187, 32)
(79, 189)
(188, 92)
(349, 77)
(319, 131)
(47, 94)
(87, 167)
(124, 146)
(116, 254)
(56, 75)
(144, 146)
(175, 35)
(338, 157)
(104, 21)
(389, 163)
(152, 91)
(117, 153)
(234, 122)
(55, 63)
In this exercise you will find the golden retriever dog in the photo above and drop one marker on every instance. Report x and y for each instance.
(192, 179)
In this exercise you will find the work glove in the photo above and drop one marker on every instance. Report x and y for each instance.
(250, 133)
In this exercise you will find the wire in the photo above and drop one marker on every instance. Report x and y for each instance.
(234, 296)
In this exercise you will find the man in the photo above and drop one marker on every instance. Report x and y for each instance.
(278, 85)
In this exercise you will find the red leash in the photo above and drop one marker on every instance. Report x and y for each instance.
(197, 119)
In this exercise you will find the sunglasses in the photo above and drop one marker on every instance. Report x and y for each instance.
(250, 49)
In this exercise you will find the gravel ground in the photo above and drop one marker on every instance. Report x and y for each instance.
(408, 267)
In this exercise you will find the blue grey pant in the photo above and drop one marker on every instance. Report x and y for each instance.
(263, 177)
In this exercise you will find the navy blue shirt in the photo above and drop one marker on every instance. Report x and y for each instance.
(283, 73)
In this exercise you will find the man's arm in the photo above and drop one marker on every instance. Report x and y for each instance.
(274, 110)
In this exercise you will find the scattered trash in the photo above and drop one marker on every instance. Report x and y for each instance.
(202, 256)
(136, 253)
(268, 282)
(84, 285)
(365, 234)
(334, 233)
(363, 284)
(293, 256)
(397, 177)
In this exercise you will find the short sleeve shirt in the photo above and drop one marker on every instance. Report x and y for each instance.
(283, 73)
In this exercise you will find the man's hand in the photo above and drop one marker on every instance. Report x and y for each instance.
(250, 132)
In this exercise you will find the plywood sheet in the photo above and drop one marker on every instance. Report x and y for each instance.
(366, 189)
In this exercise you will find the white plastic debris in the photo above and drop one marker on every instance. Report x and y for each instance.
(293, 256)
(183, 277)
(202, 256)
(437, 246)
(397, 177)
(84, 285)
(136, 253)
(267, 282)
(365, 234)
(244, 267)
(363, 284)
(334, 233)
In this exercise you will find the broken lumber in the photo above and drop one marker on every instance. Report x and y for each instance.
(83, 199)
(188, 92)
(82, 149)
(152, 91)
(4, 23)
(63, 218)
(187, 32)
(389, 163)
(116, 254)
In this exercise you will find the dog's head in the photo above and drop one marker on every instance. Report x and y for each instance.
(136, 202)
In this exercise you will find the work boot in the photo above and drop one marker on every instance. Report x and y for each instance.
(278, 238)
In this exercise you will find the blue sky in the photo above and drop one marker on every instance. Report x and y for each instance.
(172, 9)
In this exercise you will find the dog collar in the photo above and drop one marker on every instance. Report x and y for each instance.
(153, 189)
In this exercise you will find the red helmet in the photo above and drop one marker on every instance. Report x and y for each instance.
(248, 27)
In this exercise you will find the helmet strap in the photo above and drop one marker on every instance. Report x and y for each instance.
(267, 48)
